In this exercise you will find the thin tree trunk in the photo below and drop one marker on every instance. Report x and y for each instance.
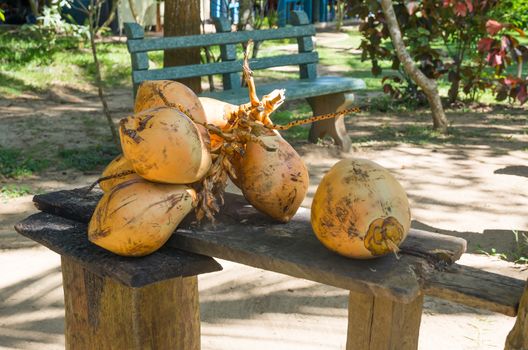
(133, 11)
(98, 79)
(428, 86)
(33, 4)
(110, 18)
(518, 337)
(340, 14)
(182, 17)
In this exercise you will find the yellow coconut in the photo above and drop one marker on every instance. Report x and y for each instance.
(274, 182)
(360, 210)
(168, 93)
(137, 217)
(117, 171)
(164, 145)
(217, 113)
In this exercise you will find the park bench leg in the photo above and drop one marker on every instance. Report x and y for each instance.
(335, 127)
(105, 314)
(376, 323)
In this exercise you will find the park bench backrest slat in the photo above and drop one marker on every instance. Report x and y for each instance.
(180, 42)
(230, 67)
(198, 70)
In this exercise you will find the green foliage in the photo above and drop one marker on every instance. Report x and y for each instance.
(88, 158)
(518, 255)
(442, 37)
(291, 113)
(37, 44)
(13, 164)
(512, 11)
(14, 191)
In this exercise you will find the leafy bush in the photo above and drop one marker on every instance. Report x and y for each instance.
(454, 40)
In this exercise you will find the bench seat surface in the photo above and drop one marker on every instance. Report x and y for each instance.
(295, 89)
(241, 234)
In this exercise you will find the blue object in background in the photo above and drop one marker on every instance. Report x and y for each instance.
(233, 11)
(225, 8)
(218, 8)
(286, 6)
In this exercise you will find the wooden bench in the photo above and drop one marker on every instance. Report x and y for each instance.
(106, 294)
(324, 94)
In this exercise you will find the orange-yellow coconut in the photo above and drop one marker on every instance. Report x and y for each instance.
(217, 113)
(164, 145)
(274, 182)
(137, 217)
(168, 93)
(360, 210)
(117, 171)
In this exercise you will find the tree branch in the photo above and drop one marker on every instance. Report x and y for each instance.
(427, 85)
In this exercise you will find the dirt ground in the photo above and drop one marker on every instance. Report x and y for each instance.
(475, 189)
(473, 185)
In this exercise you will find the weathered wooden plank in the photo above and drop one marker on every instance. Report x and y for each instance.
(233, 238)
(156, 44)
(198, 70)
(248, 237)
(104, 314)
(382, 324)
(77, 205)
(293, 249)
(69, 238)
(295, 89)
(477, 288)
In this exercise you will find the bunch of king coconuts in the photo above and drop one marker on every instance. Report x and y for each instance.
(179, 150)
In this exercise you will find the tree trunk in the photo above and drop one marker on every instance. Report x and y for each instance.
(518, 337)
(182, 17)
(92, 19)
(110, 18)
(246, 14)
(427, 85)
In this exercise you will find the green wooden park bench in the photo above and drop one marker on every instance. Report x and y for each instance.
(324, 94)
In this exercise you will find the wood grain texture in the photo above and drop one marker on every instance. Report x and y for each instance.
(69, 239)
(518, 337)
(198, 70)
(243, 235)
(104, 314)
(476, 288)
(295, 89)
(187, 41)
(376, 323)
(293, 249)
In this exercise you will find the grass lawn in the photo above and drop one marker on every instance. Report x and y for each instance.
(29, 65)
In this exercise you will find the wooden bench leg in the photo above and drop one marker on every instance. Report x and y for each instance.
(104, 314)
(334, 128)
(376, 323)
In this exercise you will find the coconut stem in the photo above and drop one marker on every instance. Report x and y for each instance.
(248, 77)
(393, 248)
(109, 177)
